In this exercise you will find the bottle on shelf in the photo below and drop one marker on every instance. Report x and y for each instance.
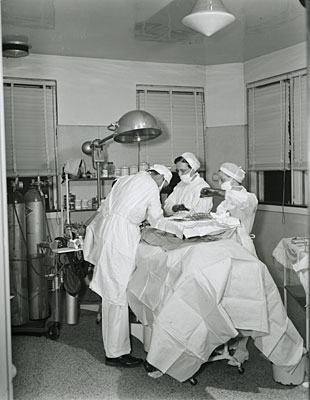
(111, 169)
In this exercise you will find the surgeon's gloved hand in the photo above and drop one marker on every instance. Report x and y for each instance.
(209, 192)
(179, 207)
(144, 224)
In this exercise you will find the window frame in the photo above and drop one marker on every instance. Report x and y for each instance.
(48, 118)
(172, 149)
(299, 183)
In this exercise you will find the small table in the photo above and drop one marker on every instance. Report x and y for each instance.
(83, 306)
(295, 256)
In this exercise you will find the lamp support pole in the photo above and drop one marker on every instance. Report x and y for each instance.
(139, 156)
(98, 183)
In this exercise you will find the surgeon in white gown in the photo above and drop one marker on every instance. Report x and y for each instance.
(110, 244)
(238, 202)
(241, 204)
(186, 194)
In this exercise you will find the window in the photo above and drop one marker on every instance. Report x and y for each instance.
(277, 139)
(30, 133)
(180, 112)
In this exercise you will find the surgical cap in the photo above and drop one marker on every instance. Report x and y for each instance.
(162, 170)
(233, 171)
(192, 160)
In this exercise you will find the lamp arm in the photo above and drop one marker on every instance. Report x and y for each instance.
(98, 144)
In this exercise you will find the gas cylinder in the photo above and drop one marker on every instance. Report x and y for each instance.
(18, 258)
(36, 233)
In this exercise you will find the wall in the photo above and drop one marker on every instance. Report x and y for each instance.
(225, 116)
(271, 224)
(277, 63)
(94, 92)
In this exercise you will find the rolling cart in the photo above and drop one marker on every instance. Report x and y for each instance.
(51, 325)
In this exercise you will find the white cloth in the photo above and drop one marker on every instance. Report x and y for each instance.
(73, 166)
(295, 257)
(189, 228)
(241, 204)
(113, 236)
(115, 329)
(189, 195)
(196, 298)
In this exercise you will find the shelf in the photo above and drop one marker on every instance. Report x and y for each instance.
(298, 293)
(91, 179)
(83, 209)
(73, 183)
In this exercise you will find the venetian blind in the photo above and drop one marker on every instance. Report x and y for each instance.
(180, 112)
(299, 122)
(30, 127)
(268, 145)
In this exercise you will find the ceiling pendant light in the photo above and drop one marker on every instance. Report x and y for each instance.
(15, 46)
(208, 17)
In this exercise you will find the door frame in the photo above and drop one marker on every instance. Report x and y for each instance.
(6, 387)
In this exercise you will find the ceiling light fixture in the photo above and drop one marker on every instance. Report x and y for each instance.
(15, 46)
(208, 17)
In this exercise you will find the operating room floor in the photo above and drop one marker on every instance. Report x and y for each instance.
(73, 368)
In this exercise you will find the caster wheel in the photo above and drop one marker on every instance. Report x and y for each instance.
(53, 332)
(193, 381)
(241, 370)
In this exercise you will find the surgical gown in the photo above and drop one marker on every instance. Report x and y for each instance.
(242, 205)
(110, 244)
(189, 195)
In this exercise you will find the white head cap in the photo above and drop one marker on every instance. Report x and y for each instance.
(233, 171)
(162, 170)
(192, 160)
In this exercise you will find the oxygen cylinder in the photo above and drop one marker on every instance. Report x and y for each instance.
(18, 259)
(36, 233)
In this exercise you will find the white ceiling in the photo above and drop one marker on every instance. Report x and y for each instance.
(151, 30)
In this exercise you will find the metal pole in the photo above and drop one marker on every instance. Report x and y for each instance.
(98, 183)
(67, 199)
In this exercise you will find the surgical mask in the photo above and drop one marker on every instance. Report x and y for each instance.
(186, 178)
(226, 185)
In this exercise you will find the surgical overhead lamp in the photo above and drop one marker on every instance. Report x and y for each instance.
(208, 17)
(133, 127)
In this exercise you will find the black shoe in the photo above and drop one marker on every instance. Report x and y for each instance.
(126, 361)
(149, 367)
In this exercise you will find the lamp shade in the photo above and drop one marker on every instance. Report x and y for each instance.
(135, 126)
(208, 17)
(15, 49)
